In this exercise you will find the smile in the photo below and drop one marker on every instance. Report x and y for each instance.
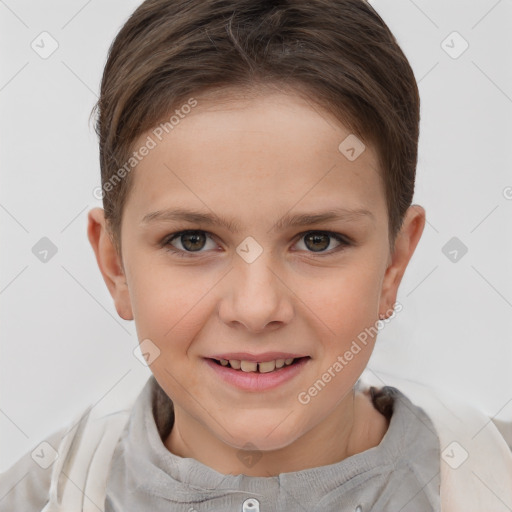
(260, 367)
(254, 375)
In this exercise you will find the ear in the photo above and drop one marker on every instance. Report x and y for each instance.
(405, 244)
(109, 262)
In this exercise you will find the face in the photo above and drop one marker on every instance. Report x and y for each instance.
(252, 272)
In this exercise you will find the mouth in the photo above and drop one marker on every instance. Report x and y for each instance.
(272, 366)
(257, 373)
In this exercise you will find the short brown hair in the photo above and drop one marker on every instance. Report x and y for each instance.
(340, 53)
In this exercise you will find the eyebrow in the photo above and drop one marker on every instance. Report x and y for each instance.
(288, 220)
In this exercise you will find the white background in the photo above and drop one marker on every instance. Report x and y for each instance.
(63, 345)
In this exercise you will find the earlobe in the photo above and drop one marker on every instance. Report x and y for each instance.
(405, 245)
(109, 262)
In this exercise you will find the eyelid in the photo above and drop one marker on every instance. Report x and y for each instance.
(176, 235)
(344, 241)
(334, 234)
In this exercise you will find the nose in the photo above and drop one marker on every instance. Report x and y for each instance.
(256, 296)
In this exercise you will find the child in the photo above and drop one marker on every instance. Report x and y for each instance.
(258, 165)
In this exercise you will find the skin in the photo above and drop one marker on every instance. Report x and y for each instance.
(254, 159)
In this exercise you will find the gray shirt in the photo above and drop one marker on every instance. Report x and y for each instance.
(401, 474)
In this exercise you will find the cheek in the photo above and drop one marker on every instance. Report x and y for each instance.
(348, 300)
(169, 312)
(166, 303)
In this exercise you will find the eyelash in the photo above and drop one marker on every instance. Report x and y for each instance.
(166, 243)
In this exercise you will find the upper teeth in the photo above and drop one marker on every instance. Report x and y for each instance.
(252, 366)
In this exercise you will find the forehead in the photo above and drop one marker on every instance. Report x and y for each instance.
(258, 152)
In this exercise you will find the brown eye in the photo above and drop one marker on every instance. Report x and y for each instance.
(190, 241)
(317, 241)
(320, 242)
(193, 241)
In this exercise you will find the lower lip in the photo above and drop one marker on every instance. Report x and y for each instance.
(255, 381)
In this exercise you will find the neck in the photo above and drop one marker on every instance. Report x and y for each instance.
(347, 430)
